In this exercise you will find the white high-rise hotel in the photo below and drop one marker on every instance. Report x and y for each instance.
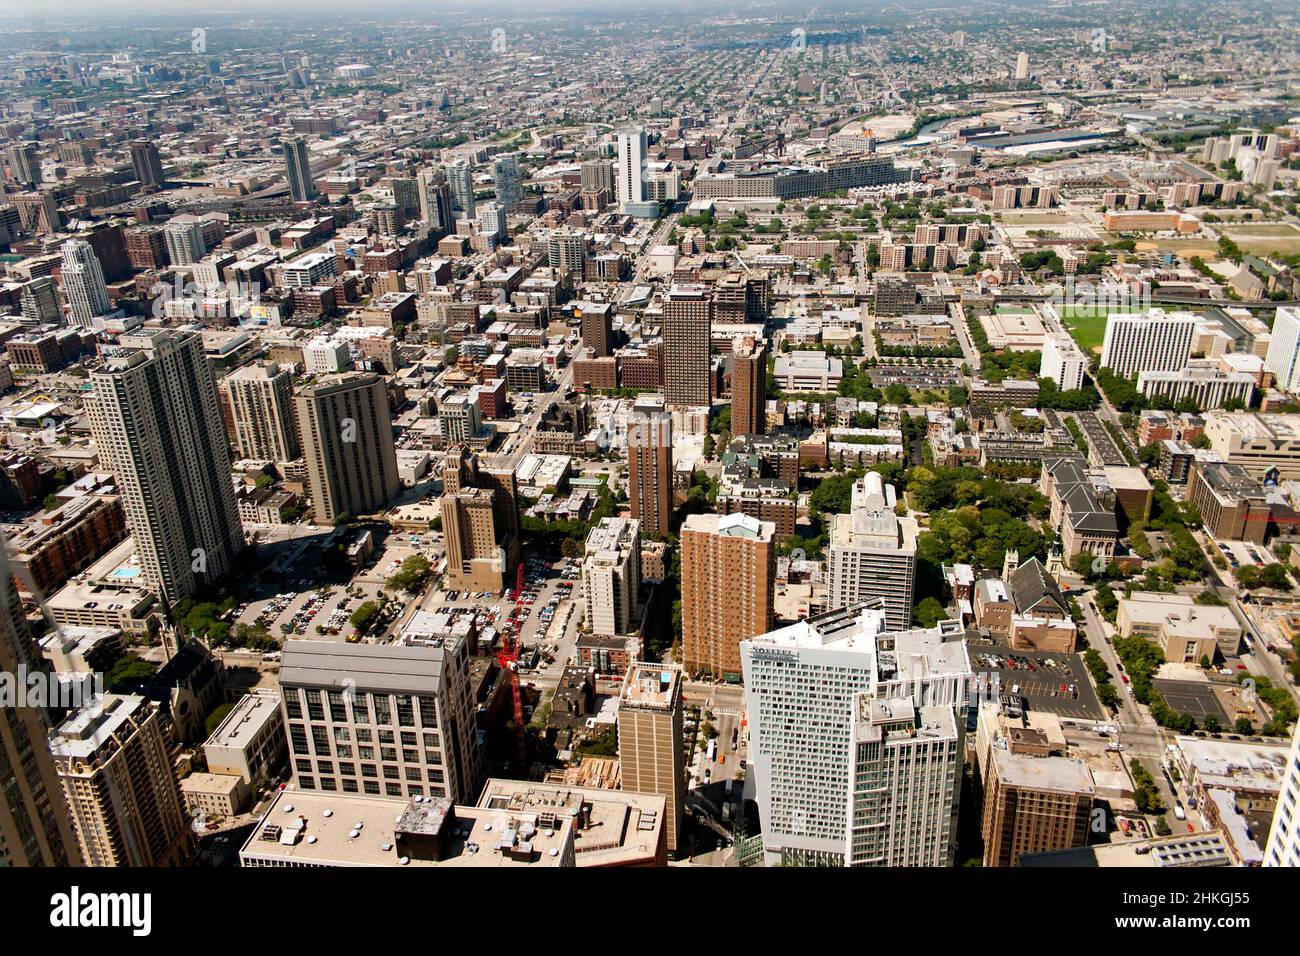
(1283, 358)
(1153, 341)
(873, 552)
(1283, 847)
(856, 738)
(629, 180)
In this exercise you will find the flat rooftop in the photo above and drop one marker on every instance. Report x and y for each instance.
(381, 668)
(246, 719)
(343, 830)
(611, 827)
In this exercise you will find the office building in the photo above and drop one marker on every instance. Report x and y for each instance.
(651, 754)
(147, 164)
(83, 283)
(35, 828)
(650, 464)
(687, 330)
(728, 587)
(1267, 446)
(460, 418)
(113, 761)
(1063, 361)
(856, 739)
(748, 387)
(461, 179)
(1022, 66)
(261, 404)
(37, 211)
(435, 200)
(1153, 341)
(25, 163)
(250, 742)
(510, 189)
(39, 300)
(347, 437)
(155, 416)
(612, 828)
(297, 167)
(611, 577)
(1283, 358)
(872, 552)
(629, 180)
(390, 719)
(1283, 847)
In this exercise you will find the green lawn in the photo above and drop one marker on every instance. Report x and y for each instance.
(1087, 323)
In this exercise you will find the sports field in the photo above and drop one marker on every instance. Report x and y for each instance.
(1087, 323)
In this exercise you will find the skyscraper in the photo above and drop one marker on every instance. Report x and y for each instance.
(630, 178)
(748, 387)
(650, 464)
(120, 786)
(461, 178)
(24, 163)
(510, 189)
(155, 416)
(297, 163)
(597, 176)
(856, 739)
(435, 200)
(687, 327)
(1022, 66)
(650, 754)
(147, 164)
(83, 282)
(728, 585)
(185, 242)
(480, 522)
(261, 403)
(1283, 358)
(35, 829)
(400, 717)
(492, 220)
(611, 577)
(40, 301)
(1034, 804)
(406, 197)
(1283, 847)
(347, 439)
(873, 552)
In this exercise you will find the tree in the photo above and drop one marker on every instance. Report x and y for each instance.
(929, 612)
(364, 616)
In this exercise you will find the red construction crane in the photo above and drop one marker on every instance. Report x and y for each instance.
(507, 659)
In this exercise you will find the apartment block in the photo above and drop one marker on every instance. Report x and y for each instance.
(651, 753)
(728, 589)
(872, 553)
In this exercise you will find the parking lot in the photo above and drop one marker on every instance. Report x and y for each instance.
(551, 601)
(1049, 683)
